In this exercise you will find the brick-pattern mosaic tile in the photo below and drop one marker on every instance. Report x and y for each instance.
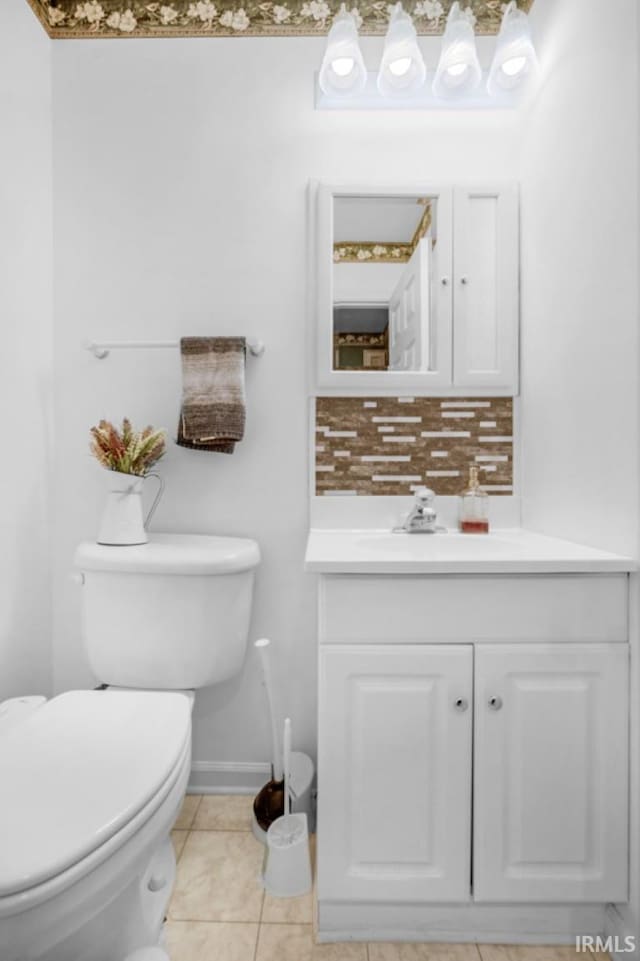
(391, 445)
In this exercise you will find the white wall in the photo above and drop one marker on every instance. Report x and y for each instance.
(362, 283)
(25, 357)
(180, 172)
(579, 289)
(580, 304)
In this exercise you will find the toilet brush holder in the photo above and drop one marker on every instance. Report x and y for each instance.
(269, 803)
(287, 870)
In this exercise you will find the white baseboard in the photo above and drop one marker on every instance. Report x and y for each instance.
(502, 924)
(619, 926)
(228, 777)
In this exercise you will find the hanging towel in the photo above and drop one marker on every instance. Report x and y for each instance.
(213, 396)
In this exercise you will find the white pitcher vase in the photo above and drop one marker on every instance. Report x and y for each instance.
(123, 522)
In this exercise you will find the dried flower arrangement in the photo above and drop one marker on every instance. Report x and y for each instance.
(128, 451)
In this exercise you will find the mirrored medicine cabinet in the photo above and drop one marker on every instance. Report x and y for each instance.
(416, 289)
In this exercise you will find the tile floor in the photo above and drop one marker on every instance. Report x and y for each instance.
(219, 911)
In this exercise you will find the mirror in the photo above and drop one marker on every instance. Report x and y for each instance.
(384, 252)
(381, 293)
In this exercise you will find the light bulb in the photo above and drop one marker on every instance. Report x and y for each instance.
(400, 66)
(514, 66)
(342, 66)
(515, 58)
(342, 73)
(402, 71)
(458, 72)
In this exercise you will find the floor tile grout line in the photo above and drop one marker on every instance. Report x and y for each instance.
(195, 812)
(289, 923)
(255, 957)
(182, 848)
(210, 921)
(221, 830)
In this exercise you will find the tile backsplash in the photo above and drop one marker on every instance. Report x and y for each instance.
(390, 445)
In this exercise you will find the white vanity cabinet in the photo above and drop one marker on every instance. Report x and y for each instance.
(396, 775)
(550, 772)
(472, 748)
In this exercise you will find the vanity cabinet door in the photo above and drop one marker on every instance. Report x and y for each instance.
(486, 287)
(394, 769)
(550, 782)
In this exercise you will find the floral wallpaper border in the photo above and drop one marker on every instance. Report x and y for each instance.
(380, 252)
(71, 19)
(372, 253)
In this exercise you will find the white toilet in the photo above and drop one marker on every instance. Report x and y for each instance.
(92, 780)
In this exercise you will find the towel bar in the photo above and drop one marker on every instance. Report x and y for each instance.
(101, 350)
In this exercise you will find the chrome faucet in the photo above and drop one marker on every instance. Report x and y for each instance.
(422, 517)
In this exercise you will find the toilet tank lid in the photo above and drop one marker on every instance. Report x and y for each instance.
(187, 554)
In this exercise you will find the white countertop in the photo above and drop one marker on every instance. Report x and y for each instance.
(513, 551)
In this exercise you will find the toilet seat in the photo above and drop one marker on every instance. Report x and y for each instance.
(103, 761)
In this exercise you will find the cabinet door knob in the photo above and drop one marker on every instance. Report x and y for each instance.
(464, 280)
(461, 704)
(445, 281)
(495, 703)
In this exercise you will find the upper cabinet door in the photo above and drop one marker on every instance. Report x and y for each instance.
(550, 783)
(486, 287)
(383, 289)
(394, 769)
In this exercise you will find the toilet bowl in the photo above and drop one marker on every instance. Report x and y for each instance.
(93, 780)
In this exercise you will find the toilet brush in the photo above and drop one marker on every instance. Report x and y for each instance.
(269, 802)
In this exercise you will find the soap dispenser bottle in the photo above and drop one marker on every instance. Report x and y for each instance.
(474, 506)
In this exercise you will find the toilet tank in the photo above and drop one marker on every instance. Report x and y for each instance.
(170, 614)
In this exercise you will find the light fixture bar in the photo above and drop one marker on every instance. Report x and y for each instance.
(402, 82)
(424, 99)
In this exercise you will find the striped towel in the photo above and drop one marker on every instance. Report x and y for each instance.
(213, 395)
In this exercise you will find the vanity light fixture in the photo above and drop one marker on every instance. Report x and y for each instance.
(515, 58)
(343, 73)
(402, 70)
(459, 81)
(458, 73)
